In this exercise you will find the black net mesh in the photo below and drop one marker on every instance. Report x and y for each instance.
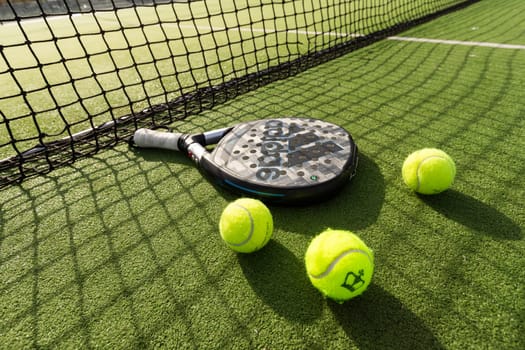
(77, 76)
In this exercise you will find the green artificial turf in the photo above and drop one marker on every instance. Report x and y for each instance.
(122, 251)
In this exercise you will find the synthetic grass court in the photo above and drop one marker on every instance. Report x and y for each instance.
(122, 250)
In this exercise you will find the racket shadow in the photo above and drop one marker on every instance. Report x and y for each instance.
(355, 207)
(160, 155)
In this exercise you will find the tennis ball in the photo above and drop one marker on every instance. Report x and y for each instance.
(428, 171)
(339, 264)
(246, 225)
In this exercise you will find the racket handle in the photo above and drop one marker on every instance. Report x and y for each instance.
(157, 139)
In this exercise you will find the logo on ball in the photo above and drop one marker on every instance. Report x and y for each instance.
(353, 282)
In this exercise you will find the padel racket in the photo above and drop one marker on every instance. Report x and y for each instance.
(285, 160)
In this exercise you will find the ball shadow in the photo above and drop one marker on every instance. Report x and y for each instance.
(355, 207)
(280, 280)
(377, 320)
(474, 214)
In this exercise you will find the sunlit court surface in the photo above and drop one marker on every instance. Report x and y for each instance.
(104, 244)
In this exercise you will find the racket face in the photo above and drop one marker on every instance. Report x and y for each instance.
(286, 153)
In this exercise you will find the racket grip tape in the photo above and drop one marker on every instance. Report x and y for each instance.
(147, 138)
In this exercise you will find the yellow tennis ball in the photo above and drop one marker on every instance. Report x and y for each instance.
(246, 225)
(428, 171)
(339, 264)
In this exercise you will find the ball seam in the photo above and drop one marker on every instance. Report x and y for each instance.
(330, 267)
(251, 228)
(421, 163)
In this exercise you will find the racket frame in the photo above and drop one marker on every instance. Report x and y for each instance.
(194, 146)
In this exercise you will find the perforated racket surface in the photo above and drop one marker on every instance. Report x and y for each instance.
(287, 152)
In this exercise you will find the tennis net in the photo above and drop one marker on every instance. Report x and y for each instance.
(78, 76)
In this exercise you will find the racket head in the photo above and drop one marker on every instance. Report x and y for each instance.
(285, 160)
